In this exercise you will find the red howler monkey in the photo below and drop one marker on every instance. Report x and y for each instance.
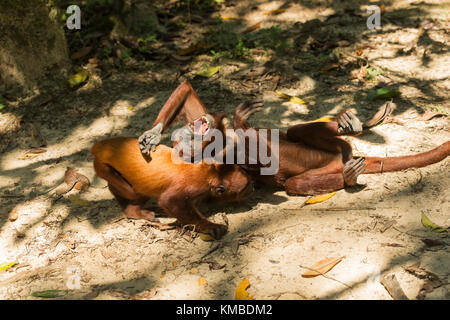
(313, 159)
(184, 103)
(177, 186)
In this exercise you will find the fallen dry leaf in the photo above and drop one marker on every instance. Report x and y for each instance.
(292, 99)
(205, 237)
(329, 67)
(192, 48)
(252, 28)
(320, 198)
(13, 215)
(73, 179)
(274, 12)
(193, 271)
(392, 286)
(241, 291)
(226, 18)
(78, 201)
(322, 267)
(32, 153)
(433, 243)
(325, 119)
(430, 115)
(80, 53)
(201, 281)
(6, 266)
(208, 72)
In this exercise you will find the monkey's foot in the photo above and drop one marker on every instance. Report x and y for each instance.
(348, 123)
(244, 110)
(383, 112)
(150, 139)
(161, 226)
(216, 230)
(134, 212)
(352, 169)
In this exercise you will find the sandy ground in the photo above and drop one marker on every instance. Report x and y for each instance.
(94, 252)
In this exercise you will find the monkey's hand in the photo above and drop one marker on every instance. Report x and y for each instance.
(150, 139)
(348, 123)
(352, 169)
(244, 110)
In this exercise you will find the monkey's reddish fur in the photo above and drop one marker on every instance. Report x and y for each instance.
(176, 186)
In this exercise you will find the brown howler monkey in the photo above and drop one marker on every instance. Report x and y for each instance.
(313, 159)
(177, 186)
(185, 104)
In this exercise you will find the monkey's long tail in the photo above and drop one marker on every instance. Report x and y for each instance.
(389, 164)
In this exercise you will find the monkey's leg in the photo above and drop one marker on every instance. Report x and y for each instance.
(129, 200)
(321, 135)
(243, 111)
(309, 183)
(185, 102)
(133, 208)
(184, 211)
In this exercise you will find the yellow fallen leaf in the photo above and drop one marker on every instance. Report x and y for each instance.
(13, 215)
(320, 198)
(283, 95)
(192, 48)
(322, 267)
(29, 155)
(272, 12)
(5, 266)
(226, 18)
(292, 99)
(241, 292)
(78, 78)
(205, 237)
(202, 281)
(208, 72)
(297, 100)
(78, 201)
(325, 119)
(193, 271)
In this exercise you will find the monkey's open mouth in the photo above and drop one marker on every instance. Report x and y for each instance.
(201, 125)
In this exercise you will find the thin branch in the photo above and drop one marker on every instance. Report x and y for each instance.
(323, 274)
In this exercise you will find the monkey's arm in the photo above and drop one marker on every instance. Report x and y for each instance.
(183, 102)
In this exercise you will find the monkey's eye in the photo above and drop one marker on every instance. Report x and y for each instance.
(220, 190)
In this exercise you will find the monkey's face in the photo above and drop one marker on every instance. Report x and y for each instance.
(235, 184)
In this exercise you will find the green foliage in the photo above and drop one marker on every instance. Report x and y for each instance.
(372, 73)
(2, 103)
(229, 44)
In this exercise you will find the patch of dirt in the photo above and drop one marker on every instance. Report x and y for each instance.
(94, 252)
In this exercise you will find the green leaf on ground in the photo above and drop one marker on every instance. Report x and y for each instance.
(7, 265)
(208, 72)
(427, 223)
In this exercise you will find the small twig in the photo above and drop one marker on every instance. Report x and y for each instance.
(409, 234)
(279, 294)
(11, 195)
(337, 209)
(214, 247)
(328, 277)
(284, 228)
